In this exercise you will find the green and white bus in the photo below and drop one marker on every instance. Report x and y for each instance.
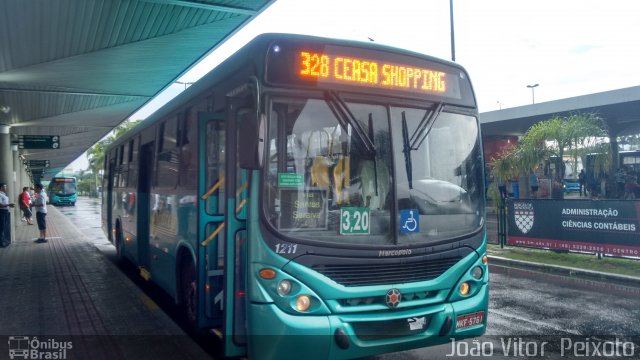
(311, 193)
(62, 191)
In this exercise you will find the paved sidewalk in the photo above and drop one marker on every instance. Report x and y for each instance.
(565, 270)
(66, 290)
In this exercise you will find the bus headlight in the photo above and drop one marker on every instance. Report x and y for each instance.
(464, 288)
(284, 287)
(477, 272)
(303, 303)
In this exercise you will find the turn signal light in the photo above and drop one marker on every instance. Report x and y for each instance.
(485, 259)
(464, 288)
(303, 303)
(267, 274)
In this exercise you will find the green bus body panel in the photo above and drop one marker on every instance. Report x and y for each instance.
(55, 199)
(274, 333)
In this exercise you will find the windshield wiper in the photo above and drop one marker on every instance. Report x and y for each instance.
(406, 149)
(375, 163)
(423, 129)
(346, 119)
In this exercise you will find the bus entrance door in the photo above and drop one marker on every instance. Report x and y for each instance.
(235, 276)
(222, 250)
(211, 209)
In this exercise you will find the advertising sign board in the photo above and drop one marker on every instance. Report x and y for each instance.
(599, 226)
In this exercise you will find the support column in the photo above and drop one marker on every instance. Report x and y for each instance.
(15, 190)
(6, 168)
(616, 192)
(6, 158)
(17, 179)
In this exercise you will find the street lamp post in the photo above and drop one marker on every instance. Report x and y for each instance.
(186, 84)
(453, 40)
(533, 97)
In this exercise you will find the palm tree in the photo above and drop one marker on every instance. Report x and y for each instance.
(96, 154)
(576, 135)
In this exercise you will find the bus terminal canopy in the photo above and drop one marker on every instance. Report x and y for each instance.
(75, 69)
(620, 110)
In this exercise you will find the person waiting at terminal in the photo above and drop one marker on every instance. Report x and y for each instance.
(533, 182)
(25, 205)
(5, 216)
(631, 188)
(40, 204)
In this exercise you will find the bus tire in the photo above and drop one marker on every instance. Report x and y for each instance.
(189, 296)
(119, 245)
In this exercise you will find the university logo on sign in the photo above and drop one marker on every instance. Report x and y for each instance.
(523, 215)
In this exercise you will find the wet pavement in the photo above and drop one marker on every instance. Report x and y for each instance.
(528, 303)
(66, 295)
(539, 307)
(86, 216)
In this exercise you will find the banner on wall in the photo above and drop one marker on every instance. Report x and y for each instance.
(599, 226)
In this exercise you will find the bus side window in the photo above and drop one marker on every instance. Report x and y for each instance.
(215, 164)
(242, 179)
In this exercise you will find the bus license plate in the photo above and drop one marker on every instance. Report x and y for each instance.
(468, 320)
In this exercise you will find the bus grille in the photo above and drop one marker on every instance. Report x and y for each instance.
(380, 330)
(381, 300)
(384, 274)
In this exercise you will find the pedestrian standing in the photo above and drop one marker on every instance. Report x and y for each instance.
(32, 196)
(533, 182)
(25, 205)
(502, 187)
(5, 216)
(583, 182)
(40, 204)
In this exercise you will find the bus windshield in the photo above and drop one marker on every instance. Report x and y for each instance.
(62, 188)
(325, 183)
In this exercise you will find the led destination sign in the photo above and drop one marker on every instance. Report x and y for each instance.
(333, 66)
(355, 70)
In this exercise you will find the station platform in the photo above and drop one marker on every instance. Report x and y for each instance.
(66, 292)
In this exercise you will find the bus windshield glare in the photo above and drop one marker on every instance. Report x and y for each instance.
(62, 188)
(323, 183)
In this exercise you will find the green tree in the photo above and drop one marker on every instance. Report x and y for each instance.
(576, 135)
(633, 140)
(96, 153)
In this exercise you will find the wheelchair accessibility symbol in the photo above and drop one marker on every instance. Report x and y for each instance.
(409, 221)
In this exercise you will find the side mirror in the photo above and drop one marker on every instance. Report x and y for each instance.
(251, 133)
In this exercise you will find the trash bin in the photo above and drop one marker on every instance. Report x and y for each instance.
(516, 190)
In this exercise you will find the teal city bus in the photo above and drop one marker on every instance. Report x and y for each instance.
(62, 191)
(311, 198)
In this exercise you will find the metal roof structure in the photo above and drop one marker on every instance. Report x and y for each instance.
(620, 109)
(78, 68)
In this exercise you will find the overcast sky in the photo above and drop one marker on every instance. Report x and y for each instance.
(568, 47)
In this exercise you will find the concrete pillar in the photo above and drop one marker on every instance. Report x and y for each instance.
(25, 176)
(15, 190)
(6, 168)
(6, 157)
(17, 183)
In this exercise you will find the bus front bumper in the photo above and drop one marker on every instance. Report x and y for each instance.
(279, 335)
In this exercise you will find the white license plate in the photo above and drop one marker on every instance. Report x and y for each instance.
(468, 320)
